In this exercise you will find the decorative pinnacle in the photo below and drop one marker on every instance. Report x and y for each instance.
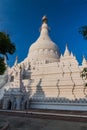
(84, 57)
(84, 62)
(5, 60)
(16, 60)
(44, 19)
(66, 46)
(67, 53)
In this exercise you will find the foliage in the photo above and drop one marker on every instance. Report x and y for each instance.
(6, 47)
(83, 31)
(84, 75)
(2, 66)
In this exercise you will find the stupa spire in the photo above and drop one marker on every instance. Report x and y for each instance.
(44, 27)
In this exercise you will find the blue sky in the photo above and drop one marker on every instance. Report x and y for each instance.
(22, 20)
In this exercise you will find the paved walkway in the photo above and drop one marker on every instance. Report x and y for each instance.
(24, 123)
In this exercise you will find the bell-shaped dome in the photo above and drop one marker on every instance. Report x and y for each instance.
(44, 49)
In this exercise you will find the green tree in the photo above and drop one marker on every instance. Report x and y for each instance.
(84, 77)
(84, 73)
(83, 31)
(6, 47)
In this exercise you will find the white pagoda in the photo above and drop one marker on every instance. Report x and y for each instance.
(45, 79)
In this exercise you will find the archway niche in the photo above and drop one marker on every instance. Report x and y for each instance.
(25, 105)
(9, 105)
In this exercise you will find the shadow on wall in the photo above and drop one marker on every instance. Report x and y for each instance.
(39, 91)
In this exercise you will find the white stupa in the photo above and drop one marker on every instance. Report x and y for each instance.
(44, 49)
(44, 79)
